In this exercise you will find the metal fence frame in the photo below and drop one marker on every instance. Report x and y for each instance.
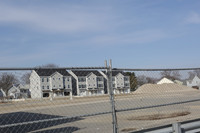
(176, 127)
(190, 126)
(111, 94)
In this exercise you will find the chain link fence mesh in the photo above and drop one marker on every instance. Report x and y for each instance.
(78, 99)
(54, 100)
(157, 98)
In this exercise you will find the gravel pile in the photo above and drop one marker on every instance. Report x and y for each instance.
(160, 88)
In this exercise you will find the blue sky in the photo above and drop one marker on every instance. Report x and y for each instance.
(133, 33)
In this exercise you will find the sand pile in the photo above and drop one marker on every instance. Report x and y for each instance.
(160, 88)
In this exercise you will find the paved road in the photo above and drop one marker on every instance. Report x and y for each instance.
(23, 112)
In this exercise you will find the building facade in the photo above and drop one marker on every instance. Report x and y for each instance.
(88, 83)
(120, 82)
(50, 83)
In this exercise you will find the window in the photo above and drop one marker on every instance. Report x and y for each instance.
(81, 79)
(113, 85)
(126, 78)
(127, 85)
(113, 79)
(83, 86)
(53, 79)
(67, 79)
(59, 85)
(42, 79)
(100, 85)
(68, 86)
(100, 79)
(59, 78)
(47, 79)
(54, 86)
(47, 87)
(42, 87)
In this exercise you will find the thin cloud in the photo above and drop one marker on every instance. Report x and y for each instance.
(67, 19)
(138, 37)
(193, 18)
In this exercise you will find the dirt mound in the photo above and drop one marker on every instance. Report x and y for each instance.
(160, 88)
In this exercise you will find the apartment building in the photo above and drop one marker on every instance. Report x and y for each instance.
(120, 82)
(50, 82)
(88, 82)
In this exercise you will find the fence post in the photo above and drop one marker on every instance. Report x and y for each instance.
(176, 128)
(110, 88)
(71, 95)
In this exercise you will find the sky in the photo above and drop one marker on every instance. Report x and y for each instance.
(81, 33)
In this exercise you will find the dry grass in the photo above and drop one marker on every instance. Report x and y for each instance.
(160, 116)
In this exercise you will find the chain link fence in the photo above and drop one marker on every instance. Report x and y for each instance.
(158, 97)
(96, 99)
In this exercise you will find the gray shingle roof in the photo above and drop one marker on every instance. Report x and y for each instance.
(114, 73)
(49, 72)
(85, 72)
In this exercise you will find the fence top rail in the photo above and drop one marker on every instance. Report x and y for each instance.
(35, 68)
(90, 68)
(168, 69)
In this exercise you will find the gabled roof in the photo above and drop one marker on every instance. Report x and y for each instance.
(115, 73)
(196, 77)
(165, 80)
(13, 85)
(85, 72)
(49, 72)
(192, 78)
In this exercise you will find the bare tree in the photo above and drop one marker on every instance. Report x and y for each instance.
(176, 75)
(142, 79)
(151, 80)
(6, 80)
(173, 75)
(193, 73)
(166, 74)
(25, 78)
